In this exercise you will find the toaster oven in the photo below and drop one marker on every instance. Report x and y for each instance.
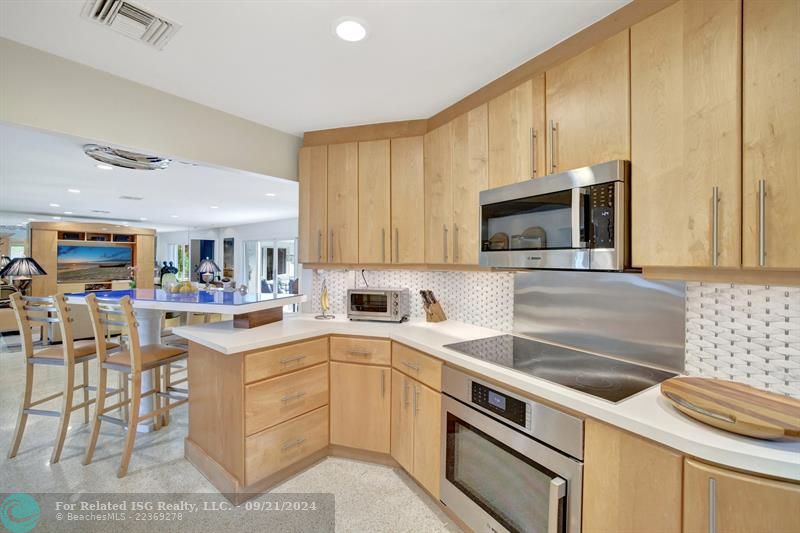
(382, 305)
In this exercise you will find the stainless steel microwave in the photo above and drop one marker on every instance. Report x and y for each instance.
(574, 220)
(383, 305)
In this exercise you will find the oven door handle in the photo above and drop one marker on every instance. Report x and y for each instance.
(558, 490)
(578, 198)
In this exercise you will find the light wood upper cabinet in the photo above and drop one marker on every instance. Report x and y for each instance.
(360, 406)
(343, 203)
(470, 176)
(374, 198)
(408, 189)
(145, 257)
(737, 503)
(516, 124)
(685, 122)
(771, 133)
(313, 219)
(438, 195)
(588, 101)
(629, 484)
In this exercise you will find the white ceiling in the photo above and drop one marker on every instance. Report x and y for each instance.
(277, 62)
(37, 168)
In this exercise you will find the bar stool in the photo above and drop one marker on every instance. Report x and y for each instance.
(132, 361)
(29, 309)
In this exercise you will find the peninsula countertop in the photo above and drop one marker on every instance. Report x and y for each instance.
(647, 414)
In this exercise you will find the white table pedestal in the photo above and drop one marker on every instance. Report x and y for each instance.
(149, 329)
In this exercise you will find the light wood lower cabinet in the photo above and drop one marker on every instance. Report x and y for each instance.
(416, 430)
(422, 367)
(360, 401)
(722, 501)
(630, 485)
(361, 350)
(276, 361)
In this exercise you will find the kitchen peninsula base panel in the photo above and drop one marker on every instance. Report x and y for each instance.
(258, 318)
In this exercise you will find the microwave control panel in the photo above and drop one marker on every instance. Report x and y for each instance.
(602, 216)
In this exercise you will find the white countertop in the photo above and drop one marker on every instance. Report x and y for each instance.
(647, 414)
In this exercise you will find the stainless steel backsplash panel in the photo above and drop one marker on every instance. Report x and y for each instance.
(615, 313)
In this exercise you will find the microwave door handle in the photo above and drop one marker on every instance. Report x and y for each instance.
(578, 196)
(558, 490)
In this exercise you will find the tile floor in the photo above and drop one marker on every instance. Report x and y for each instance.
(368, 497)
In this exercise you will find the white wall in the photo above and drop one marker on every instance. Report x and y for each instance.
(47, 92)
(276, 229)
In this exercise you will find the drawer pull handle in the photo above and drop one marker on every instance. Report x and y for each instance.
(292, 397)
(360, 353)
(292, 444)
(289, 360)
(412, 366)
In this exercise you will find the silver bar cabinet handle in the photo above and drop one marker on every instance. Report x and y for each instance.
(292, 444)
(558, 490)
(444, 241)
(319, 246)
(396, 245)
(412, 366)
(455, 243)
(416, 399)
(715, 226)
(762, 226)
(383, 383)
(405, 393)
(330, 248)
(533, 153)
(712, 505)
(383, 245)
(553, 128)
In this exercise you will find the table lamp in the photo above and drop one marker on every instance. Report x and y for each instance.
(22, 268)
(207, 269)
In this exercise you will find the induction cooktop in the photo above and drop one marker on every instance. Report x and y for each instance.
(603, 377)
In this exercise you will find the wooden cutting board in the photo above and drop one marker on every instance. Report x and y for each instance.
(735, 407)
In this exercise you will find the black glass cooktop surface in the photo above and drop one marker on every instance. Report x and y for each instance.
(604, 377)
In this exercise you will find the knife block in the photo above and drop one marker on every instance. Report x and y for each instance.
(434, 313)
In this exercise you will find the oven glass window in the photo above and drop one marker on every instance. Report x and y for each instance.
(507, 485)
(369, 303)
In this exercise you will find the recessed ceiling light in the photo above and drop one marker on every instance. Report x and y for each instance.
(142, 219)
(56, 218)
(55, 205)
(213, 207)
(74, 191)
(350, 30)
(103, 166)
(270, 194)
(173, 216)
(67, 212)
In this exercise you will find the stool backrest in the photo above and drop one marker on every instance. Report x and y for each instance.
(114, 312)
(32, 310)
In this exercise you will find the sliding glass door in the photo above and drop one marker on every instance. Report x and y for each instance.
(271, 267)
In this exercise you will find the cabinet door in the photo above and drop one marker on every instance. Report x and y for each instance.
(374, 239)
(737, 503)
(629, 484)
(427, 406)
(438, 195)
(408, 215)
(343, 203)
(685, 109)
(588, 103)
(313, 176)
(360, 406)
(511, 136)
(402, 445)
(771, 133)
(470, 154)
(145, 255)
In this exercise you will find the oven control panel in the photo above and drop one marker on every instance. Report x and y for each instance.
(508, 407)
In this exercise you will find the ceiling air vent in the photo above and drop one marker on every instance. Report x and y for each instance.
(126, 197)
(124, 158)
(131, 20)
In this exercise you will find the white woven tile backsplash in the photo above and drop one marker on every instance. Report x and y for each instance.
(480, 298)
(745, 333)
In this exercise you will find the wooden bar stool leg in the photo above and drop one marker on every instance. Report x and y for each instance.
(125, 397)
(86, 392)
(133, 420)
(22, 418)
(167, 385)
(99, 409)
(157, 397)
(66, 411)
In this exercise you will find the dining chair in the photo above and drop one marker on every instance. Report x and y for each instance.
(132, 361)
(29, 310)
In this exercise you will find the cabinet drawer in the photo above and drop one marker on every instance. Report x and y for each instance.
(281, 446)
(276, 400)
(276, 361)
(422, 367)
(361, 350)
